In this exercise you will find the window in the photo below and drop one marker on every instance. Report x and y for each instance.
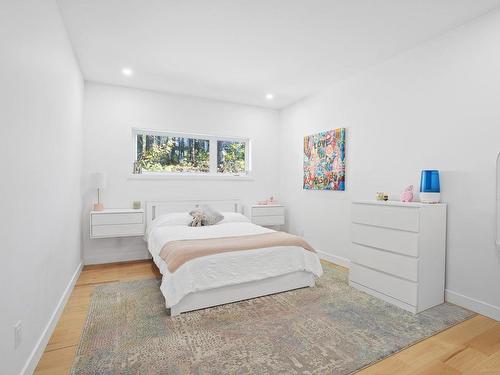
(163, 153)
(157, 152)
(231, 157)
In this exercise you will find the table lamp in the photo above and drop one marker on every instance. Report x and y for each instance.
(98, 181)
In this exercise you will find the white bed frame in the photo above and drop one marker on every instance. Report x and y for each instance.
(157, 208)
(231, 293)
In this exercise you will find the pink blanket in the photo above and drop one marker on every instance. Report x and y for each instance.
(176, 253)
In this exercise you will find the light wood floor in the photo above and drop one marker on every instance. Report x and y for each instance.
(471, 347)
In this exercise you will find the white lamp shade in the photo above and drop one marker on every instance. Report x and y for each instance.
(97, 180)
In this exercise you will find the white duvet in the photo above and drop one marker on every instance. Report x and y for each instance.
(224, 269)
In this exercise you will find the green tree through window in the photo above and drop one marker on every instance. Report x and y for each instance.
(231, 157)
(172, 154)
(157, 152)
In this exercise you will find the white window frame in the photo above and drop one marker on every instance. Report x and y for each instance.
(212, 154)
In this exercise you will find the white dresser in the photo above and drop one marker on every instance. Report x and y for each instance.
(398, 252)
(117, 223)
(267, 215)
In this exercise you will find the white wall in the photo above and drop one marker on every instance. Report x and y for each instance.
(110, 112)
(41, 93)
(436, 106)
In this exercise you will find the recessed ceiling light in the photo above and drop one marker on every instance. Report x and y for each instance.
(269, 96)
(127, 71)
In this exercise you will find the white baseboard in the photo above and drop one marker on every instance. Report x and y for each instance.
(341, 261)
(483, 308)
(42, 342)
(116, 257)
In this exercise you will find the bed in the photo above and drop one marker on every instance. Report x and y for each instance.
(223, 277)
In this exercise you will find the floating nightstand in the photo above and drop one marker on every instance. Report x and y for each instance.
(126, 222)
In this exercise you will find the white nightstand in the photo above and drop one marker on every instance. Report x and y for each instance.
(267, 215)
(126, 222)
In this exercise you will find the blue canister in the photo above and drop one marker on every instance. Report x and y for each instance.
(429, 182)
(430, 188)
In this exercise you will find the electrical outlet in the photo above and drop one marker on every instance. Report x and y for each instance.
(18, 330)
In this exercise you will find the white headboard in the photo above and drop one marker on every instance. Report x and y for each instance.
(157, 208)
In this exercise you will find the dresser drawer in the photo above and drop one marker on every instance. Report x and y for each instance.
(398, 265)
(403, 218)
(268, 211)
(403, 290)
(397, 241)
(120, 230)
(268, 220)
(117, 218)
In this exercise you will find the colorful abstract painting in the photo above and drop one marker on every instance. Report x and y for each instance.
(324, 160)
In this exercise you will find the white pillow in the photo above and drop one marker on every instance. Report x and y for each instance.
(234, 217)
(174, 218)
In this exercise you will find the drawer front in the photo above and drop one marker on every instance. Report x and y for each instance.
(397, 241)
(268, 211)
(268, 220)
(392, 286)
(117, 230)
(403, 218)
(398, 265)
(118, 218)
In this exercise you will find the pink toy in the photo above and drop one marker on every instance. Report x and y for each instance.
(407, 194)
(269, 201)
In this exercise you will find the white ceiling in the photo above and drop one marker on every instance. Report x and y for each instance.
(239, 50)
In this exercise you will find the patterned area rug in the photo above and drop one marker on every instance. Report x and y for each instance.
(329, 329)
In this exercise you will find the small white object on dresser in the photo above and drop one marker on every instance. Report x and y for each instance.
(126, 222)
(398, 252)
(267, 215)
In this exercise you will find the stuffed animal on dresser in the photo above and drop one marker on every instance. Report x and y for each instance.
(407, 194)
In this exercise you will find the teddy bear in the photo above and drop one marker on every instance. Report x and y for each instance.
(407, 194)
(198, 218)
